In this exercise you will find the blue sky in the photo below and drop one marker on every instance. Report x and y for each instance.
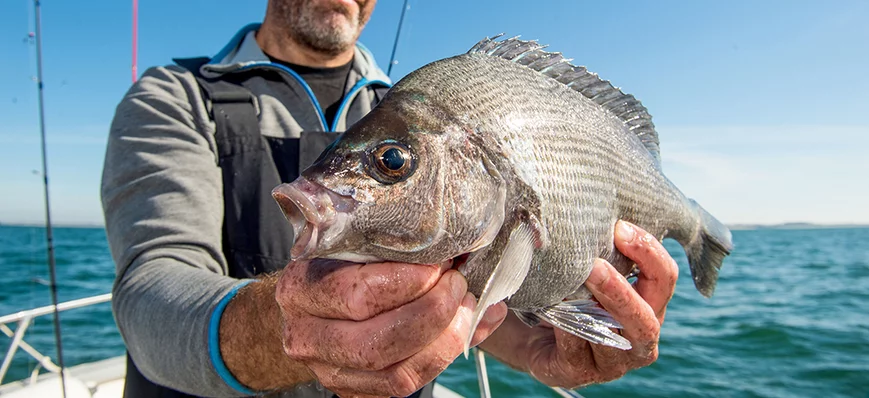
(761, 107)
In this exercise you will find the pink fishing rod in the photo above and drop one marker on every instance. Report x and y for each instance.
(135, 38)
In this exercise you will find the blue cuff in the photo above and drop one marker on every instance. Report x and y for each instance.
(214, 342)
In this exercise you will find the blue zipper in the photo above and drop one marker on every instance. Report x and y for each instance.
(301, 81)
(361, 84)
(233, 44)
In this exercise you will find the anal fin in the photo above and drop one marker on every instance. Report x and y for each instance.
(508, 275)
(583, 318)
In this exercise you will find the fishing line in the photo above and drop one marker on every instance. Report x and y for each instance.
(35, 241)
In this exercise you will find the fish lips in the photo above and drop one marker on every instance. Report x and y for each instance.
(311, 209)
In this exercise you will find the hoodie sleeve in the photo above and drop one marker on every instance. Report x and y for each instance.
(163, 208)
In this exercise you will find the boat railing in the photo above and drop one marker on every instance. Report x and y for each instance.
(24, 319)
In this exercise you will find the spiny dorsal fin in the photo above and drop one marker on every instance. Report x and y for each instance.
(624, 106)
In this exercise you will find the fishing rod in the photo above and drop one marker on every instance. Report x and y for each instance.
(397, 34)
(135, 38)
(48, 232)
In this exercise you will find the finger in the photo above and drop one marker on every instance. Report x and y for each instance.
(383, 340)
(492, 319)
(404, 378)
(639, 323)
(658, 271)
(341, 290)
(557, 358)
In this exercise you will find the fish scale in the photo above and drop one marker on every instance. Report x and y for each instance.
(524, 162)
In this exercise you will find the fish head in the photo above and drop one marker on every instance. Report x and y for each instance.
(402, 184)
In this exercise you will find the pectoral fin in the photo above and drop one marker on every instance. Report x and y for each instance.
(507, 276)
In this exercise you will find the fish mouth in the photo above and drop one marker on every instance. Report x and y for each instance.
(311, 210)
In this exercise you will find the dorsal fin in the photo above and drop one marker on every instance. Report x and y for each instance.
(624, 106)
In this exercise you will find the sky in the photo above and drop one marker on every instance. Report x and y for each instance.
(761, 107)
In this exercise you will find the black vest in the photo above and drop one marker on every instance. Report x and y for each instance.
(256, 236)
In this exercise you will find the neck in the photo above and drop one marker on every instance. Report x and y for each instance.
(278, 44)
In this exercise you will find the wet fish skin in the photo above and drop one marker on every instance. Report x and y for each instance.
(512, 158)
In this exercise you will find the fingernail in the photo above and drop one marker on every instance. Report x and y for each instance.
(625, 231)
(599, 274)
(469, 301)
(495, 313)
(459, 285)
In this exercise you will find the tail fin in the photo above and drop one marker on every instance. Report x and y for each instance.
(707, 250)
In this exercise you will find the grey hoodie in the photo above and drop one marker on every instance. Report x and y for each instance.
(163, 205)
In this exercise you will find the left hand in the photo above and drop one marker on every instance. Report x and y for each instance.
(558, 358)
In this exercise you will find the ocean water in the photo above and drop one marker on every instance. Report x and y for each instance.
(790, 318)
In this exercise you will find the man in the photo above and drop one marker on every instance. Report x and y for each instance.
(202, 297)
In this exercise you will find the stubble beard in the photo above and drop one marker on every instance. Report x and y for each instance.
(326, 28)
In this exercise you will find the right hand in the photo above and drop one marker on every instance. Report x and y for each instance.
(384, 329)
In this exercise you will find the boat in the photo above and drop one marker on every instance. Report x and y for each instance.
(104, 378)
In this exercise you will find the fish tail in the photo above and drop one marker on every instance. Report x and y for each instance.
(706, 251)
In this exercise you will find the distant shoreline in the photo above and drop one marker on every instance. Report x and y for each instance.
(794, 225)
(36, 225)
(733, 227)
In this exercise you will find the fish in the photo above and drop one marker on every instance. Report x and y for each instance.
(515, 163)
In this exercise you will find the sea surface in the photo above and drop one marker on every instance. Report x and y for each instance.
(790, 318)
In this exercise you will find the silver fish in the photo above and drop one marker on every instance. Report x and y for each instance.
(516, 162)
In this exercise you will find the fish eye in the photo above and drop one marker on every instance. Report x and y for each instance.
(392, 162)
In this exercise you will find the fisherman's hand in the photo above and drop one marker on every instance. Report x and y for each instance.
(558, 358)
(378, 329)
